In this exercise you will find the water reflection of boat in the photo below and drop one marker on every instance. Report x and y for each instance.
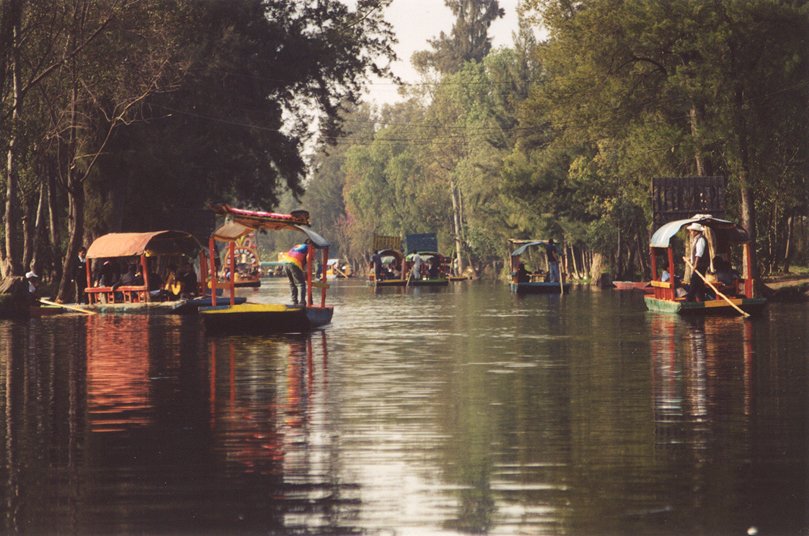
(667, 292)
(257, 427)
(698, 365)
(533, 282)
(267, 317)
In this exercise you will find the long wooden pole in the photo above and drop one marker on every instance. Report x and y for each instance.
(695, 271)
(69, 307)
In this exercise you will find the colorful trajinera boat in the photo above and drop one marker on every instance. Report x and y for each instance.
(433, 268)
(248, 264)
(387, 266)
(268, 317)
(668, 294)
(524, 282)
(155, 257)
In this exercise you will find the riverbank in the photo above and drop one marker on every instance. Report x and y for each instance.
(789, 287)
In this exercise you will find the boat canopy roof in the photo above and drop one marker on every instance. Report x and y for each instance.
(243, 222)
(525, 245)
(151, 244)
(395, 253)
(726, 231)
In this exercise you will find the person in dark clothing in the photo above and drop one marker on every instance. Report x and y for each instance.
(80, 275)
(700, 260)
(553, 261)
(523, 276)
(376, 264)
(188, 280)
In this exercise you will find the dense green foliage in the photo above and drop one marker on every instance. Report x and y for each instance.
(561, 137)
(133, 115)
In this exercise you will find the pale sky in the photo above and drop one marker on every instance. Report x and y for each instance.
(416, 21)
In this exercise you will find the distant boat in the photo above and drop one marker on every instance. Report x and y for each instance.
(630, 285)
(533, 283)
(669, 295)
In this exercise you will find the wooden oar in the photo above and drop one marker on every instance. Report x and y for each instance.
(68, 307)
(695, 271)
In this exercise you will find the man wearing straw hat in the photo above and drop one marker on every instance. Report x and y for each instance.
(699, 260)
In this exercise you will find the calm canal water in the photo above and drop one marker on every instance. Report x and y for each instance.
(431, 411)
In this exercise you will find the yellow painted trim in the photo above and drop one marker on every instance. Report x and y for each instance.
(661, 284)
(255, 308)
(721, 303)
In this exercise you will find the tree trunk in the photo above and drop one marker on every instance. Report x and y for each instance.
(75, 226)
(456, 222)
(788, 241)
(13, 260)
(53, 228)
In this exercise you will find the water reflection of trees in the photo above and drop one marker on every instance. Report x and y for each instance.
(114, 424)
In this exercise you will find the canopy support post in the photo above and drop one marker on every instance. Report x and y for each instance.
(232, 282)
(211, 250)
(323, 277)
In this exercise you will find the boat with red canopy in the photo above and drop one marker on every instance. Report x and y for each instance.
(267, 317)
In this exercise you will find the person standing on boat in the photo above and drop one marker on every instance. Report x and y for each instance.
(80, 275)
(415, 271)
(295, 260)
(553, 261)
(699, 260)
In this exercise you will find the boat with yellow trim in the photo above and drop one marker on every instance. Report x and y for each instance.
(264, 318)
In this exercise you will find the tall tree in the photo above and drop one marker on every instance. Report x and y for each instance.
(469, 39)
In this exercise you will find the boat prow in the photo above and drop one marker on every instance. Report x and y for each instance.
(264, 318)
(750, 306)
(539, 287)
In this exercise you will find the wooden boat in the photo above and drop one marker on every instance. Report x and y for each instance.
(456, 278)
(429, 257)
(630, 285)
(536, 283)
(247, 263)
(152, 252)
(668, 295)
(435, 267)
(389, 249)
(265, 318)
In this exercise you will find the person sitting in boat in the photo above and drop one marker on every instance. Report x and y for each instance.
(724, 273)
(172, 285)
(295, 260)
(699, 260)
(394, 271)
(435, 267)
(131, 278)
(523, 275)
(108, 274)
(188, 280)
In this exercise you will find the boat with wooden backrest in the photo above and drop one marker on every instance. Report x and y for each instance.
(668, 293)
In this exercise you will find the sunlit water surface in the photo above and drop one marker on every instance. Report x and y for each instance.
(418, 411)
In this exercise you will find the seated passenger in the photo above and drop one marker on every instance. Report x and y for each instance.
(523, 276)
(725, 274)
(188, 280)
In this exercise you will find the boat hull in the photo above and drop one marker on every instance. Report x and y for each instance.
(248, 283)
(256, 318)
(388, 283)
(708, 307)
(437, 282)
(538, 287)
(630, 285)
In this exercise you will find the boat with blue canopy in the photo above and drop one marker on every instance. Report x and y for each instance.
(536, 281)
